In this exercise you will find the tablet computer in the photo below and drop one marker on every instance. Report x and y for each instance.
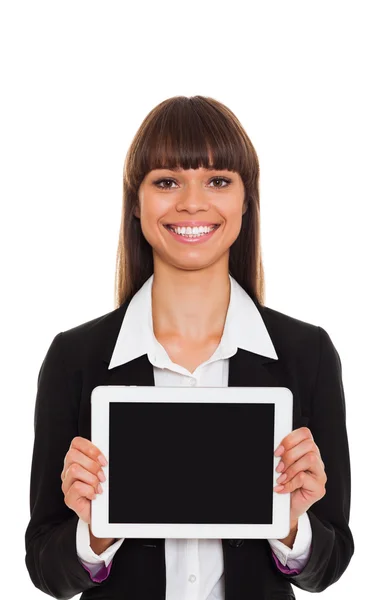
(190, 462)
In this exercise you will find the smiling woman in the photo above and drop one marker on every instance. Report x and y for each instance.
(190, 312)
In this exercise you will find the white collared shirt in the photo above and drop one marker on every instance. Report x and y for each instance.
(194, 568)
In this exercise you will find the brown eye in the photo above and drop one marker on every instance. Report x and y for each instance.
(227, 181)
(162, 181)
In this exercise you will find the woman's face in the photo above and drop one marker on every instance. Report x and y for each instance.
(191, 198)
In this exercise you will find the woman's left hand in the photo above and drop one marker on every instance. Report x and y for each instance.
(304, 470)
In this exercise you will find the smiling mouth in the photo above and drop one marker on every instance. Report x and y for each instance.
(192, 231)
(190, 235)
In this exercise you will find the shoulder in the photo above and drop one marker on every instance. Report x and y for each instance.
(283, 323)
(93, 335)
(290, 335)
(300, 340)
(96, 325)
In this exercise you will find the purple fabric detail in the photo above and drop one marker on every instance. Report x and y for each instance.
(285, 569)
(102, 574)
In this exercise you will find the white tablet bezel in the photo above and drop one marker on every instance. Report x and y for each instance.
(282, 398)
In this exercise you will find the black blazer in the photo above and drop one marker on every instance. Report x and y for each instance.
(77, 361)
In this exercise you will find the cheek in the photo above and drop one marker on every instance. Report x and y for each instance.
(150, 218)
(153, 210)
(233, 223)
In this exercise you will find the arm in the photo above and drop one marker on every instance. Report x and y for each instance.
(50, 538)
(332, 541)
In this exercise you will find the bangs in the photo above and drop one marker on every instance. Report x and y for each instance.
(189, 133)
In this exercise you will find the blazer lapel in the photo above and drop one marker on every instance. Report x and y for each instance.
(136, 372)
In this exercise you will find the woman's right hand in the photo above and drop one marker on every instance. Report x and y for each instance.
(81, 476)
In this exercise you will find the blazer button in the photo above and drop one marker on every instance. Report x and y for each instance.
(236, 543)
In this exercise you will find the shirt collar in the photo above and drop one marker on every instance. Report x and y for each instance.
(244, 327)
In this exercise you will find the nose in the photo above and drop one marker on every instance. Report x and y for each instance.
(192, 199)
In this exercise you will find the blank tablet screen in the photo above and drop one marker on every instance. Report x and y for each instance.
(191, 462)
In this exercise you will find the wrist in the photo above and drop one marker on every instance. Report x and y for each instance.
(99, 545)
(290, 538)
(294, 526)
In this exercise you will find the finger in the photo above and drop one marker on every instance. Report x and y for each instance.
(77, 491)
(76, 472)
(305, 481)
(294, 438)
(311, 463)
(78, 457)
(86, 447)
(295, 453)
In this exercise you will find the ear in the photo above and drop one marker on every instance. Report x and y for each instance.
(137, 212)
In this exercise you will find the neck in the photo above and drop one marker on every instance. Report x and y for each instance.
(190, 304)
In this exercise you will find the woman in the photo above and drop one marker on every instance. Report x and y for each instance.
(190, 311)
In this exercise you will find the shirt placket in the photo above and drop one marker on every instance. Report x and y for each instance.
(192, 571)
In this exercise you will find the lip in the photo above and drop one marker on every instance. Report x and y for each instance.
(192, 224)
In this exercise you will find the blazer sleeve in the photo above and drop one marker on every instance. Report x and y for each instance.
(332, 541)
(50, 538)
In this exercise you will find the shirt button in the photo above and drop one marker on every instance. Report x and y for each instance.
(192, 578)
(192, 382)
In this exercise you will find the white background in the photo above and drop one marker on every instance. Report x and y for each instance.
(77, 79)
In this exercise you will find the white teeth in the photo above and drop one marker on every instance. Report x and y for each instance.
(193, 231)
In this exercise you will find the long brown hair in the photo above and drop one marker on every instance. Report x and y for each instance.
(187, 132)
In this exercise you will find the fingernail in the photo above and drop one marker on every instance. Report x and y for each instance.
(102, 460)
(101, 475)
(278, 488)
(99, 488)
(279, 451)
(282, 478)
(280, 466)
